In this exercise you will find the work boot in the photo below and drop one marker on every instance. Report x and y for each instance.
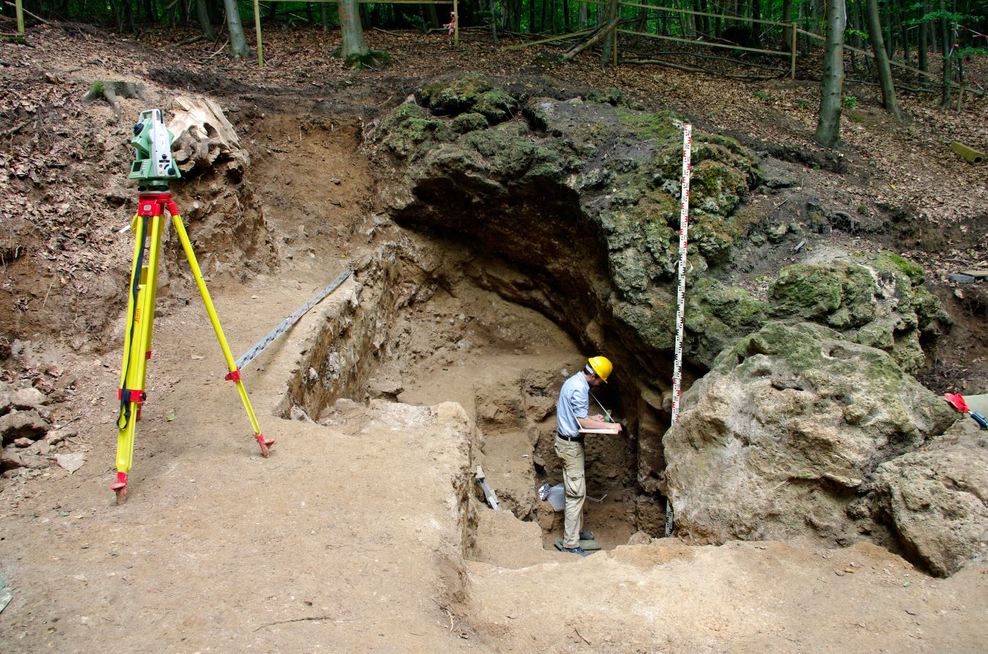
(586, 535)
(576, 550)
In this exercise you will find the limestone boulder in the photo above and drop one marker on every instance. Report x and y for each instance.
(780, 438)
(935, 499)
(877, 300)
(583, 190)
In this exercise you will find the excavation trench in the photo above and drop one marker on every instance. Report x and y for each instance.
(419, 327)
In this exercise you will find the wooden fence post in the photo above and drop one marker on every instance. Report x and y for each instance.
(257, 31)
(19, 10)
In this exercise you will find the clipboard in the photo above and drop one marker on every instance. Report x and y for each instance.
(612, 432)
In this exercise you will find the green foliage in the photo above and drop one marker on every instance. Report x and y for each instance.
(936, 15)
(417, 22)
(764, 96)
(851, 31)
(849, 102)
(970, 52)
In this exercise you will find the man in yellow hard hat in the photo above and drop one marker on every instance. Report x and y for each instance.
(572, 414)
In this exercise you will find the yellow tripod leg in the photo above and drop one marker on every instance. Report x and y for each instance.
(231, 364)
(137, 341)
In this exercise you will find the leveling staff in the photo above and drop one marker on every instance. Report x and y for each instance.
(572, 410)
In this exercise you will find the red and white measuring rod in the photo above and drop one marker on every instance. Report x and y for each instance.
(684, 222)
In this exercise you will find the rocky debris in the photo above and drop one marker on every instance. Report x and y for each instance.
(935, 499)
(779, 439)
(71, 461)
(23, 424)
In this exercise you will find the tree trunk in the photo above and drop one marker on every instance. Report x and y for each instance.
(238, 44)
(608, 43)
(924, 45)
(756, 15)
(202, 14)
(884, 69)
(828, 127)
(889, 32)
(787, 19)
(493, 6)
(351, 31)
(903, 34)
(945, 43)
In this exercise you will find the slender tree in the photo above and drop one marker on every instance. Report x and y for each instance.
(354, 46)
(924, 44)
(881, 57)
(202, 14)
(238, 44)
(828, 126)
(946, 45)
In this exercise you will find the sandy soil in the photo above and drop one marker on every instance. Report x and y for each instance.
(367, 534)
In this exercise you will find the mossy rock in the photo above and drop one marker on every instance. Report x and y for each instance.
(409, 126)
(892, 262)
(717, 316)
(931, 318)
(841, 295)
(496, 105)
(658, 127)
(805, 291)
(454, 96)
(469, 122)
(610, 95)
(654, 320)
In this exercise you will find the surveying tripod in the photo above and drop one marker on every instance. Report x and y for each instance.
(153, 166)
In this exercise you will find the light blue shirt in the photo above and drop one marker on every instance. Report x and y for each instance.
(573, 403)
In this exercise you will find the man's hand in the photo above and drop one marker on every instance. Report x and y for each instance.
(598, 418)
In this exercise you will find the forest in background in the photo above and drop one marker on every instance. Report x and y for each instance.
(929, 42)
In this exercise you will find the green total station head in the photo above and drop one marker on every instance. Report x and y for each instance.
(153, 163)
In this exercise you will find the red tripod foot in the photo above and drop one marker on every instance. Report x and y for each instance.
(120, 487)
(265, 444)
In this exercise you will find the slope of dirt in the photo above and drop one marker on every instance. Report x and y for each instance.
(366, 534)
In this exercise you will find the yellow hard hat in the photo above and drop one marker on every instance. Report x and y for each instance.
(601, 366)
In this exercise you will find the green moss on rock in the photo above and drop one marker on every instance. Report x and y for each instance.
(469, 122)
(805, 291)
(892, 262)
(454, 96)
(610, 95)
(409, 126)
(657, 127)
(496, 105)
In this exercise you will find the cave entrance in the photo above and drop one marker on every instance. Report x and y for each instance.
(423, 329)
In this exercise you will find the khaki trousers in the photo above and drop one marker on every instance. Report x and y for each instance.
(575, 485)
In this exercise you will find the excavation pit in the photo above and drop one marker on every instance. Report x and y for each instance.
(416, 327)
